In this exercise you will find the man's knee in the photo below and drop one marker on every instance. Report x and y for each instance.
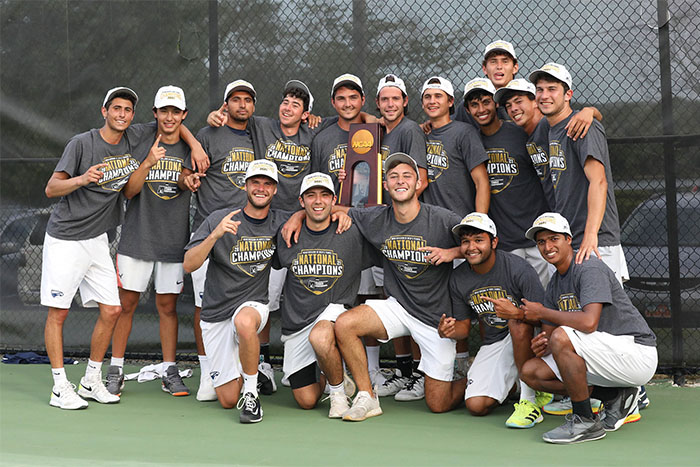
(110, 312)
(306, 398)
(559, 341)
(480, 405)
(322, 336)
(246, 322)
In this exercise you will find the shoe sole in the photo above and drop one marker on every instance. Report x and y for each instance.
(87, 395)
(372, 413)
(566, 412)
(57, 405)
(631, 418)
(537, 420)
(408, 398)
(575, 441)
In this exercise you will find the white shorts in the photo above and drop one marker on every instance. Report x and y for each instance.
(298, 352)
(614, 257)
(134, 274)
(534, 258)
(378, 276)
(367, 283)
(69, 265)
(493, 372)
(274, 287)
(221, 345)
(437, 353)
(611, 361)
(199, 276)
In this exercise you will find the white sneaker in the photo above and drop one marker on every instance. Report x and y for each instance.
(266, 379)
(349, 385)
(392, 385)
(93, 388)
(206, 392)
(414, 389)
(285, 381)
(63, 396)
(364, 406)
(339, 404)
(379, 376)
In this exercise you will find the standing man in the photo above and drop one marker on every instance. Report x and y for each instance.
(92, 171)
(323, 279)
(601, 340)
(239, 245)
(417, 253)
(154, 235)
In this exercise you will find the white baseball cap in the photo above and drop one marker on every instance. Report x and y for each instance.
(120, 89)
(261, 167)
(554, 70)
(442, 84)
(170, 95)
(239, 85)
(549, 221)
(477, 220)
(317, 179)
(505, 46)
(347, 78)
(391, 80)
(400, 158)
(483, 84)
(296, 84)
(518, 84)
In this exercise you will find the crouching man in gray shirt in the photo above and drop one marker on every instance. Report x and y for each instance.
(601, 340)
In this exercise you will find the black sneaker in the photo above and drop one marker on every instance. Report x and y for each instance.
(576, 429)
(266, 379)
(616, 411)
(251, 410)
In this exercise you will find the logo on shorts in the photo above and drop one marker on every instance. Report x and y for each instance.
(317, 270)
(235, 165)
(252, 254)
(485, 309)
(402, 251)
(502, 168)
(568, 302)
(437, 159)
(557, 161)
(213, 375)
(117, 172)
(291, 159)
(56, 293)
(162, 178)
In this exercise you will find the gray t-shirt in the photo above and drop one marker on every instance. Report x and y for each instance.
(328, 152)
(323, 268)
(93, 209)
(453, 151)
(406, 137)
(157, 221)
(510, 277)
(230, 151)
(566, 160)
(594, 282)
(517, 197)
(421, 288)
(238, 264)
(537, 148)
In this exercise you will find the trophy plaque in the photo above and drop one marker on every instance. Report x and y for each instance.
(363, 167)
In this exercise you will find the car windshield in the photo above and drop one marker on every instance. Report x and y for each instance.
(647, 227)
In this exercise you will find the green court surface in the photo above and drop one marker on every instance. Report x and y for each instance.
(150, 427)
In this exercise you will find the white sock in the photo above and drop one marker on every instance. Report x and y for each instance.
(250, 384)
(59, 375)
(463, 354)
(119, 362)
(338, 388)
(372, 358)
(166, 365)
(203, 366)
(526, 392)
(93, 368)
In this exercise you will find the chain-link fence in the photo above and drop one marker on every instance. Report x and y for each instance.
(633, 60)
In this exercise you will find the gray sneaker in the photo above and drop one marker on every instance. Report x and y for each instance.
(576, 429)
(172, 382)
(616, 411)
(115, 380)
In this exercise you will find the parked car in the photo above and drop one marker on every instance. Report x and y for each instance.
(645, 243)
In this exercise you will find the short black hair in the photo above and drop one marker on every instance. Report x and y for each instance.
(476, 95)
(294, 91)
(469, 230)
(121, 95)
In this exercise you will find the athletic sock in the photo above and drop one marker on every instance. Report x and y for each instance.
(250, 384)
(403, 363)
(93, 368)
(414, 367)
(118, 362)
(582, 408)
(372, 358)
(338, 388)
(59, 375)
(265, 352)
(203, 366)
(165, 366)
(526, 392)
(604, 393)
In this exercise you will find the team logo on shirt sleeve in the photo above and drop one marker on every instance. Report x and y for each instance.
(557, 161)
(437, 159)
(501, 168)
(485, 309)
(317, 270)
(540, 159)
(235, 165)
(336, 161)
(568, 302)
(291, 159)
(162, 178)
(252, 254)
(402, 252)
(117, 172)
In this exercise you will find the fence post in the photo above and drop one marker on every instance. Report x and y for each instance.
(214, 97)
(671, 202)
(359, 37)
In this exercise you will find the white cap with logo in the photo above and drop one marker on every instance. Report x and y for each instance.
(346, 78)
(317, 179)
(441, 84)
(554, 70)
(120, 89)
(261, 167)
(400, 158)
(170, 95)
(504, 46)
(518, 84)
(477, 220)
(483, 84)
(549, 221)
(391, 80)
(239, 85)
(296, 84)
